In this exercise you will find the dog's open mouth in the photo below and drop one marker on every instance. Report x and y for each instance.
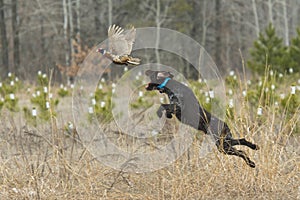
(151, 86)
(147, 87)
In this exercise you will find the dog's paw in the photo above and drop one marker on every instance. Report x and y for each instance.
(168, 115)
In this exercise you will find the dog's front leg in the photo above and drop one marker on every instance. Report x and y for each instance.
(169, 108)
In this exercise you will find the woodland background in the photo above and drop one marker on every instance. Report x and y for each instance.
(37, 34)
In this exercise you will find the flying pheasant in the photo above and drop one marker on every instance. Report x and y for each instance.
(120, 46)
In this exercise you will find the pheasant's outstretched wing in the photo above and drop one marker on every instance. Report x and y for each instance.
(120, 43)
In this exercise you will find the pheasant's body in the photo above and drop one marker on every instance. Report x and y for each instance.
(122, 59)
(120, 46)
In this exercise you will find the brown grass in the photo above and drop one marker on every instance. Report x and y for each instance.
(44, 163)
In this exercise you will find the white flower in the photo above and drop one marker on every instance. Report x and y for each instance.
(33, 112)
(211, 94)
(47, 105)
(267, 90)
(141, 94)
(12, 96)
(293, 89)
(259, 111)
(207, 99)
(91, 110)
(231, 104)
(102, 104)
(244, 93)
(272, 87)
(94, 101)
(291, 70)
(231, 73)
(230, 92)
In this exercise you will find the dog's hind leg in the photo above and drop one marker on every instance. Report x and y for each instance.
(239, 153)
(241, 141)
(225, 146)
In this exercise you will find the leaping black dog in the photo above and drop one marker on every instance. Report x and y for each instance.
(185, 106)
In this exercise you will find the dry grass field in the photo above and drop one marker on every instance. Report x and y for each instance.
(44, 162)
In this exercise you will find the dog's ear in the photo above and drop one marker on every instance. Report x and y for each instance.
(171, 75)
(163, 74)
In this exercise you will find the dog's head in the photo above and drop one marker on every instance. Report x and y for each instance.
(157, 78)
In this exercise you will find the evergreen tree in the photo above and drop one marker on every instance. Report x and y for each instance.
(295, 52)
(268, 50)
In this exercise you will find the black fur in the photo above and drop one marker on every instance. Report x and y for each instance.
(185, 106)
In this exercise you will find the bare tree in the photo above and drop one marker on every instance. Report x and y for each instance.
(65, 27)
(4, 41)
(110, 10)
(254, 6)
(78, 20)
(218, 32)
(15, 31)
(286, 24)
(270, 9)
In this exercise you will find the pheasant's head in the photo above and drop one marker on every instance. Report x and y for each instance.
(102, 51)
(158, 79)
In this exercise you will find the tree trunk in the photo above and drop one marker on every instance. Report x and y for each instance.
(71, 31)
(65, 10)
(286, 24)
(157, 20)
(218, 31)
(4, 41)
(96, 18)
(255, 18)
(15, 31)
(78, 21)
(270, 7)
(110, 12)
